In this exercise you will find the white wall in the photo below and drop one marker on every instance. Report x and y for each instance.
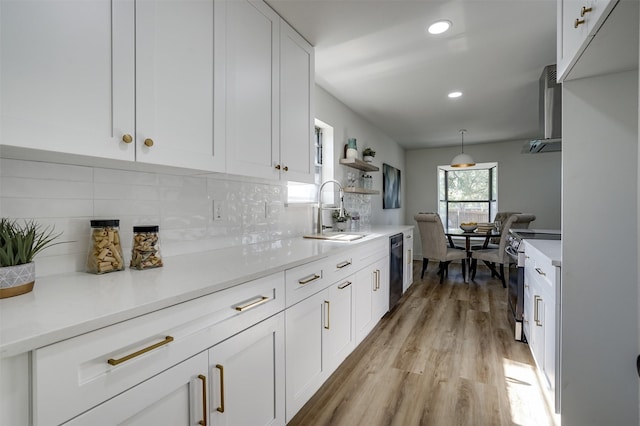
(600, 251)
(529, 183)
(347, 124)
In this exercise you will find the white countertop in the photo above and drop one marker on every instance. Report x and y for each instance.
(63, 306)
(550, 248)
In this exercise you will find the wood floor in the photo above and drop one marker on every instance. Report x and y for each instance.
(444, 356)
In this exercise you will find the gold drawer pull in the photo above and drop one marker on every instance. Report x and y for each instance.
(344, 285)
(166, 340)
(585, 10)
(127, 138)
(307, 280)
(203, 422)
(578, 22)
(538, 270)
(252, 304)
(221, 407)
(327, 304)
(343, 264)
(148, 142)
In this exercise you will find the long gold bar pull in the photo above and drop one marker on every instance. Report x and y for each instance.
(327, 304)
(166, 340)
(221, 407)
(344, 285)
(307, 280)
(203, 422)
(343, 264)
(252, 304)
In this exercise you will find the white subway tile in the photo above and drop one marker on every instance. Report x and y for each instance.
(41, 170)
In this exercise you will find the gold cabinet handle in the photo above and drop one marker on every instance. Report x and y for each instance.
(285, 168)
(536, 311)
(203, 422)
(221, 407)
(127, 138)
(578, 22)
(166, 340)
(539, 271)
(343, 264)
(148, 142)
(327, 305)
(344, 285)
(409, 257)
(375, 280)
(585, 10)
(307, 280)
(278, 167)
(252, 304)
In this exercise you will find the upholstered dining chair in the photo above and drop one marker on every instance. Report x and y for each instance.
(434, 244)
(497, 256)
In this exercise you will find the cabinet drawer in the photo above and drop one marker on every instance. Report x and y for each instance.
(372, 252)
(339, 266)
(74, 375)
(305, 280)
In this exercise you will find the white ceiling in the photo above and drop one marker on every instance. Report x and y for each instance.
(377, 58)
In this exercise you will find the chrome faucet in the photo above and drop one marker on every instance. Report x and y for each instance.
(320, 227)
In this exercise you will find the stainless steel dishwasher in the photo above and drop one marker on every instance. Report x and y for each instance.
(395, 269)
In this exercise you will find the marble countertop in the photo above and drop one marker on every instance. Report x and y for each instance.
(550, 248)
(67, 305)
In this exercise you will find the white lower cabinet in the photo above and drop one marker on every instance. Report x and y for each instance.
(175, 397)
(408, 260)
(319, 336)
(372, 297)
(247, 376)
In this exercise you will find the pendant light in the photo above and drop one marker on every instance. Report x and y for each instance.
(462, 159)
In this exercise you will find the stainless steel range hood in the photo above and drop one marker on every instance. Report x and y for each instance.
(550, 110)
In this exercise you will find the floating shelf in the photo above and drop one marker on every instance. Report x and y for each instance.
(356, 190)
(359, 164)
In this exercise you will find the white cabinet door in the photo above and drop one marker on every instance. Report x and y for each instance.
(175, 90)
(66, 77)
(297, 66)
(366, 281)
(550, 341)
(176, 396)
(381, 293)
(408, 260)
(338, 323)
(305, 367)
(538, 328)
(247, 376)
(251, 72)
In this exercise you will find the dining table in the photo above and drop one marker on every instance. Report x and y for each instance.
(485, 237)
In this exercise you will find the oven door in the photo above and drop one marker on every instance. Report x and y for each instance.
(516, 294)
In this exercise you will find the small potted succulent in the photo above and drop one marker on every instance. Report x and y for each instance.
(19, 243)
(340, 223)
(368, 154)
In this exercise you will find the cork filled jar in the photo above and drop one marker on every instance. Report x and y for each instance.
(105, 250)
(145, 251)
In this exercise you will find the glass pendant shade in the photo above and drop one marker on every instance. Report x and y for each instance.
(462, 159)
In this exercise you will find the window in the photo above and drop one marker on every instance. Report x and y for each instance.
(299, 193)
(467, 195)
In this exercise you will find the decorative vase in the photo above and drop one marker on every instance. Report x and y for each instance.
(352, 149)
(368, 158)
(17, 280)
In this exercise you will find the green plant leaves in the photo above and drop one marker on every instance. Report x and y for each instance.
(20, 243)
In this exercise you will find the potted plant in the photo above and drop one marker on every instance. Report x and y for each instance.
(18, 246)
(340, 223)
(368, 154)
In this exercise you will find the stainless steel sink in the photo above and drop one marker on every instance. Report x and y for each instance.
(336, 236)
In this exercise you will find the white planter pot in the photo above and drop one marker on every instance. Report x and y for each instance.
(368, 158)
(16, 280)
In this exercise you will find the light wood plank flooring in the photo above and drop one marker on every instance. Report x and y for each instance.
(444, 356)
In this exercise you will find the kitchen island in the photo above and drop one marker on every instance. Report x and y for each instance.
(198, 298)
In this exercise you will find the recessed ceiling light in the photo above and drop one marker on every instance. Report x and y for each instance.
(454, 94)
(439, 27)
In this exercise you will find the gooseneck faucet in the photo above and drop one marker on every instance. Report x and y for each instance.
(320, 227)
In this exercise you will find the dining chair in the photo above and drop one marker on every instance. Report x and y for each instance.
(497, 256)
(434, 245)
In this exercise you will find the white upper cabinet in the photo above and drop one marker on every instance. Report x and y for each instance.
(297, 66)
(269, 81)
(101, 78)
(175, 84)
(67, 78)
(578, 22)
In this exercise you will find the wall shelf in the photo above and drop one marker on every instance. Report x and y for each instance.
(357, 190)
(359, 164)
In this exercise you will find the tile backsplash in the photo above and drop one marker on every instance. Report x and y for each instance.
(194, 213)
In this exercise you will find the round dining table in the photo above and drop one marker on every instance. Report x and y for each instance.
(452, 233)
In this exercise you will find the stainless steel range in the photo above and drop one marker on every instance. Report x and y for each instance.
(515, 250)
